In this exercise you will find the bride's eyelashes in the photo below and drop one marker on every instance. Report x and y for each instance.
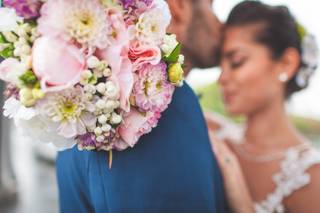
(237, 63)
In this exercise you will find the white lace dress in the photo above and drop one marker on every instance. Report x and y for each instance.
(293, 169)
(291, 177)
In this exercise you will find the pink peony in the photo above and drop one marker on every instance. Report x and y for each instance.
(56, 63)
(136, 124)
(152, 91)
(122, 74)
(142, 54)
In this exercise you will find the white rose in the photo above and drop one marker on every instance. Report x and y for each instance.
(11, 69)
(169, 44)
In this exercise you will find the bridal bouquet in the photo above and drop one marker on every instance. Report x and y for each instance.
(92, 73)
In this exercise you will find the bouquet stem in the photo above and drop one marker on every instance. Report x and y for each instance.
(110, 159)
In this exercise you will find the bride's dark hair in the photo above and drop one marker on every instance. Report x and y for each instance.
(279, 30)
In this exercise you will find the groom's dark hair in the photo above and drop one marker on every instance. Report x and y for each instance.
(279, 29)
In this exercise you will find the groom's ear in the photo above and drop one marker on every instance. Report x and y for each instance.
(181, 11)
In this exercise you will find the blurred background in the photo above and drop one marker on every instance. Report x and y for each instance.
(27, 172)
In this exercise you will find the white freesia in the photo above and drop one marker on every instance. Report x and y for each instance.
(9, 19)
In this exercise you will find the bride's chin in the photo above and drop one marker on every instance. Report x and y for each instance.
(234, 111)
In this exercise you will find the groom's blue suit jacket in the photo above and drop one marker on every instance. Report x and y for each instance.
(170, 170)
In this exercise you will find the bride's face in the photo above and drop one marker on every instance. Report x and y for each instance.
(249, 82)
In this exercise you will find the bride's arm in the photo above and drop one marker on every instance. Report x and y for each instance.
(235, 185)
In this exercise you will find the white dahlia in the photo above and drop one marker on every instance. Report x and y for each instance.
(80, 20)
(70, 110)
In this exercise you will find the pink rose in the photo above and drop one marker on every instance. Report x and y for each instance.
(56, 63)
(142, 54)
(136, 124)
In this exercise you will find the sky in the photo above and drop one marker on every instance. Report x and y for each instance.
(307, 12)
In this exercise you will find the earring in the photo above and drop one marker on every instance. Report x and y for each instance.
(283, 77)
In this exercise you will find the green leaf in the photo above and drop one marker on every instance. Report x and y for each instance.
(8, 52)
(2, 39)
(174, 56)
(29, 79)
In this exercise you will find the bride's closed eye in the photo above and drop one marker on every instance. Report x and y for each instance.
(234, 59)
(237, 61)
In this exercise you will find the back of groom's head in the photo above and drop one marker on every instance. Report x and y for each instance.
(198, 29)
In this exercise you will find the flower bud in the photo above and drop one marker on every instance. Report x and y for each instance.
(98, 131)
(106, 128)
(176, 74)
(100, 139)
(101, 88)
(26, 97)
(10, 37)
(115, 118)
(93, 62)
(37, 94)
(102, 119)
(101, 104)
(111, 90)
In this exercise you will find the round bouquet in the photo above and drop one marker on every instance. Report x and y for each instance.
(96, 74)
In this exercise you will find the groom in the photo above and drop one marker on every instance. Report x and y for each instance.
(172, 169)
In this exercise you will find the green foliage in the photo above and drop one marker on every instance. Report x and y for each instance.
(2, 39)
(174, 56)
(7, 52)
(29, 79)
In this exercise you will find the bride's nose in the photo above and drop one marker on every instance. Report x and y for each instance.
(224, 77)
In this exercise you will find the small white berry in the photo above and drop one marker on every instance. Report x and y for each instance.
(106, 128)
(101, 104)
(17, 52)
(107, 72)
(86, 74)
(98, 131)
(115, 118)
(102, 119)
(93, 62)
(90, 88)
(101, 88)
(25, 49)
(100, 138)
(111, 90)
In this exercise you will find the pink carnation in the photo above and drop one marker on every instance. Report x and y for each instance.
(136, 124)
(142, 54)
(152, 91)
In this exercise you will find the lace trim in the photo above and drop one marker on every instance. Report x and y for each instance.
(292, 176)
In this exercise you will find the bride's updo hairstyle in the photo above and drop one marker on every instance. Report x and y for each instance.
(279, 31)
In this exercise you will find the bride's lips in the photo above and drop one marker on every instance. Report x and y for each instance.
(228, 96)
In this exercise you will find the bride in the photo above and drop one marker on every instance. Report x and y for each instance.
(266, 57)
